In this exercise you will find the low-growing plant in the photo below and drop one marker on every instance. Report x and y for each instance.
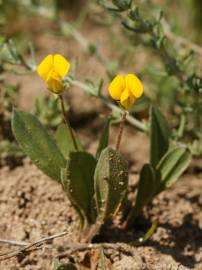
(97, 185)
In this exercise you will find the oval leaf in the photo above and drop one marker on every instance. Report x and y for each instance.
(145, 193)
(111, 180)
(37, 143)
(172, 165)
(146, 187)
(103, 143)
(78, 182)
(65, 142)
(159, 136)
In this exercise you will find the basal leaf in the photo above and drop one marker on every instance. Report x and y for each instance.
(146, 187)
(111, 180)
(78, 182)
(103, 143)
(145, 192)
(37, 143)
(65, 142)
(172, 165)
(159, 136)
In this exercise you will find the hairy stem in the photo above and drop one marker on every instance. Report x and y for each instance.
(121, 127)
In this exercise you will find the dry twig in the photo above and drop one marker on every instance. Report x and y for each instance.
(71, 247)
(28, 247)
(76, 247)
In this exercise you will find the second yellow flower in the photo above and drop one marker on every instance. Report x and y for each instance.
(126, 89)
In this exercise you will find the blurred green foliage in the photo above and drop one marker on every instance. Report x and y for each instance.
(48, 111)
(10, 8)
(10, 153)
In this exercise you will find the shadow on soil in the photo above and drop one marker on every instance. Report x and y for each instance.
(182, 242)
(187, 236)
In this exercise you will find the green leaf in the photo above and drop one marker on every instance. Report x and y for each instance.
(111, 180)
(146, 187)
(159, 136)
(172, 165)
(78, 183)
(104, 138)
(145, 193)
(65, 142)
(37, 143)
(65, 184)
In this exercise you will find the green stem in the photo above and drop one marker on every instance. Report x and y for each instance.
(66, 120)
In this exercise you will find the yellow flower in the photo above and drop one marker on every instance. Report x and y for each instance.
(53, 69)
(126, 89)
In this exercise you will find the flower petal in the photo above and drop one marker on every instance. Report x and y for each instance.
(127, 100)
(124, 95)
(117, 86)
(134, 85)
(61, 65)
(55, 86)
(45, 66)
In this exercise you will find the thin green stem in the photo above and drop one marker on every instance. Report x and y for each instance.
(66, 120)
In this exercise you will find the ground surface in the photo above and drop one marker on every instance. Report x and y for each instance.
(32, 206)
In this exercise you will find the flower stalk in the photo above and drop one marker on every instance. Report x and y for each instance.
(121, 127)
(66, 120)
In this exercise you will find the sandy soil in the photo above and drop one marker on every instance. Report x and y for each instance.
(32, 206)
